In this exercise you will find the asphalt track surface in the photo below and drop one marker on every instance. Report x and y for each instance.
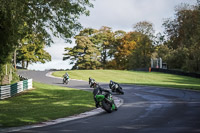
(146, 109)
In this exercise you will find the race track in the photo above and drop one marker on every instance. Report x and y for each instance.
(145, 110)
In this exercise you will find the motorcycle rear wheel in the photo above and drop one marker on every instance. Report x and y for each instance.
(65, 81)
(107, 106)
(120, 91)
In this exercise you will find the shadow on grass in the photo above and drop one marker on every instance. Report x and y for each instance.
(42, 105)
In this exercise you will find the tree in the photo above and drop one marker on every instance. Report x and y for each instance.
(32, 50)
(22, 17)
(117, 37)
(114, 62)
(141, 55)
(145, 28)
(184, 35)
(104, 40)
(144, 37)
(124, 50)
(32, 53)
(84, 55)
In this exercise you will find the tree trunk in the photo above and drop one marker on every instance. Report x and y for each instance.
(27, 63)
(15, 59)
(23, 64)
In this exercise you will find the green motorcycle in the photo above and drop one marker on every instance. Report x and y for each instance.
(106, 102)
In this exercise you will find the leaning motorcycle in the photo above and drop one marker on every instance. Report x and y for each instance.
(106, 102)
(115, 87)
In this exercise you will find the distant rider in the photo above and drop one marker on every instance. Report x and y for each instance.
(66, 75)
(66, 78)
(112, 84)
(91, 82)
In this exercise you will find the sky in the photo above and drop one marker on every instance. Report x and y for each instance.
(117, 14)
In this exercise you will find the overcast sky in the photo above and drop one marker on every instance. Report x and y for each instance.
(119, 15)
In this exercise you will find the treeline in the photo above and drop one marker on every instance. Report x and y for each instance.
(181, 50)
(178, 46)
(106, 49)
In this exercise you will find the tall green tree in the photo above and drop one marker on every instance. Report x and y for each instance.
(104, 39)
(84, 55)
(183, 34)
(141, 55)
(114, 61)
(144, 37)
(22, 17)
(31, 50)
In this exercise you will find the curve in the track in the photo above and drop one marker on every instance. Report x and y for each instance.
(145, 109)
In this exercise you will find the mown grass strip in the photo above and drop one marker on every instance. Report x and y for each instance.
(45, 102)
(135, 77)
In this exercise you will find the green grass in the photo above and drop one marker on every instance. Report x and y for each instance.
(44, 103)
(135, 77)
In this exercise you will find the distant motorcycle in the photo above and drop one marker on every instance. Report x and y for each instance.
(115, 87)
(65, 79)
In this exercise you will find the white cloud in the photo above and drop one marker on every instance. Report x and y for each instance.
(54, 64)
(122, 14)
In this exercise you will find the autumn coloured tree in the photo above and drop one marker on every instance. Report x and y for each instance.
(124, 50)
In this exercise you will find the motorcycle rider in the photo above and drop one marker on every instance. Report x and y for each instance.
(97, 90)
(115, 87)
(91, 82)
(66, 76)
(112, 84)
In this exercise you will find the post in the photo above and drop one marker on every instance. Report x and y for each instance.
(157, 63)
(6, 69)
(160, 62)
(149, 69)
(15, 59)
(151, 63)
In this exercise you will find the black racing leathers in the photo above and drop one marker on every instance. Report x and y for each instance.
(98, 90)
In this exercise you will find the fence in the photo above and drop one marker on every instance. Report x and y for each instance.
(11, 90)
(176, 72)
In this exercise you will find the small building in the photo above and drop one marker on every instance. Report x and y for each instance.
(157, 63)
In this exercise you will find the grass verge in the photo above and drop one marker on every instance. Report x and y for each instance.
(135, 77)
(45, 102)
